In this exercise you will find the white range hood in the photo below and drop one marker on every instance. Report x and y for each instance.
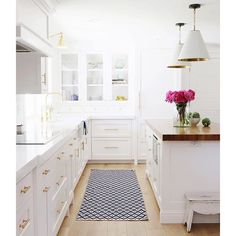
(27, 40)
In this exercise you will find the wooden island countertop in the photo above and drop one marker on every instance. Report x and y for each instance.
(165, 130)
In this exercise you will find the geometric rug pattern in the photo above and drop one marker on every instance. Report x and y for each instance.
(112, 195)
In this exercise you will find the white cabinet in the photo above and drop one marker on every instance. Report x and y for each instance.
(112, 139)
(32, 73)
(33, 15)
(96, 76)
(25, 207)
(153, 162)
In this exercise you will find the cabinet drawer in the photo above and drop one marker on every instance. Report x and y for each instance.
(24, 219)
(47, 173)
(111, 128)
(110, 149)
(57, 211)
(24, 190)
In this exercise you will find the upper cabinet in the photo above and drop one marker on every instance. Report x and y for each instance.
(33, 15)
(96, 76)
(69, 77)
(32, 73)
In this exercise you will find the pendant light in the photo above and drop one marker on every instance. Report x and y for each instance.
(175, 63)
(194, 48)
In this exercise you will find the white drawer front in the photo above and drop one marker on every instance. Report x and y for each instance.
(24, 190)
(111, 128)
(110, 149)
(24, 219)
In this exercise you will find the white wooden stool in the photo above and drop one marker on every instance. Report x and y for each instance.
(201, 202)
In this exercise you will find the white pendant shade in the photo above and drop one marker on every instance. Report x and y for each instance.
(194, 48)
(178, 64)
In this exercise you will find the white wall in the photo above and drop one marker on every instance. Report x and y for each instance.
(157, 79)
(204, 79)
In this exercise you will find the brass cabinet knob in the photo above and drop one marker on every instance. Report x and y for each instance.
(74, 138)
(71, 155)
(45, 172)
(62, 153)
(25, 189)
(46, 189)
(71, 144)
(24, 223)
(59, 158)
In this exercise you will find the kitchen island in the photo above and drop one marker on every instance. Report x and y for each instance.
(182, 160)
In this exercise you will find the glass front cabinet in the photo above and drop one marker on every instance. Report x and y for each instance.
(95, 76)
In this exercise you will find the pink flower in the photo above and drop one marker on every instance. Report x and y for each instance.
(181, 96)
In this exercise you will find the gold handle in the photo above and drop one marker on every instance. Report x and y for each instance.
(74, 138)
(45, 172)
(71, 155)
(59, 210)
(58, 158)
(71, 144)
(24, 223)
(25, 189)
(62, 153)
(44, 80)
(45, 190)
(82, 144)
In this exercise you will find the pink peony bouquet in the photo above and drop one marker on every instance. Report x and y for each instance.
(182, 96)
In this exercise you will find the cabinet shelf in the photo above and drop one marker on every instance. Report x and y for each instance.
(69, 85)
(69, 70)
(95, 85)
(96, 69)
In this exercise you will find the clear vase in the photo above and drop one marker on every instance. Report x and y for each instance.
(181, 115)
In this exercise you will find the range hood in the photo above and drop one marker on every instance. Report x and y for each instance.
(29, 41)
(22, 48)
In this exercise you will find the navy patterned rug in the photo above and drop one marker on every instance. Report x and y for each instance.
(112, 195)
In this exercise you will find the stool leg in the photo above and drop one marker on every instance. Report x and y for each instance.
(186, 213)
(190, 219)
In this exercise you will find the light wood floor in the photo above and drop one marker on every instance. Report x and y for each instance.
(72, 227)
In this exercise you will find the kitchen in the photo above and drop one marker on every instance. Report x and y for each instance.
(103, 110)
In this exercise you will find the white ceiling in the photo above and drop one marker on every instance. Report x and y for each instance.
(135, 20)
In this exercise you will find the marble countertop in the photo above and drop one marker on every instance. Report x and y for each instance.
(164, 129)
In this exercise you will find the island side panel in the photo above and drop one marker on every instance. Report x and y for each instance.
(187, 166)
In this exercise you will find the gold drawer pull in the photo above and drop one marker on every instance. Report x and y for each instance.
(71, 155)
(46, 189)
(46, 172)
(74, 138)
(58, 183)
(24, 223)
(71, 144)
(59, 210)
(25, 189)
(110, 147)
(59, 158)
(62, 153)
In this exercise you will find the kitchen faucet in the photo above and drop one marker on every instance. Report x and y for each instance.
(47, 115)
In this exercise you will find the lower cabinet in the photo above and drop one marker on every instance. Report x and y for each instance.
(43, 196)
(25, 208)
(153, 162)
(112, 139)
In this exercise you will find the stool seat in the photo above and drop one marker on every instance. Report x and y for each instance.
(202, 202)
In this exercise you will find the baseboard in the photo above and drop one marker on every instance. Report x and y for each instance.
(177, 218)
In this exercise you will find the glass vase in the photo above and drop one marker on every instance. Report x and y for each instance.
(181, 115)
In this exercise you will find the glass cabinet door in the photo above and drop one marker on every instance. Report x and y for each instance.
(70, 82)
(94, 77)
(120, 77)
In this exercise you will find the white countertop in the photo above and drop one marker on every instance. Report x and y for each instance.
(29, 156)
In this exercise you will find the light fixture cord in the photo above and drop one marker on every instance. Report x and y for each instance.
(179, 34)
(194, 19)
